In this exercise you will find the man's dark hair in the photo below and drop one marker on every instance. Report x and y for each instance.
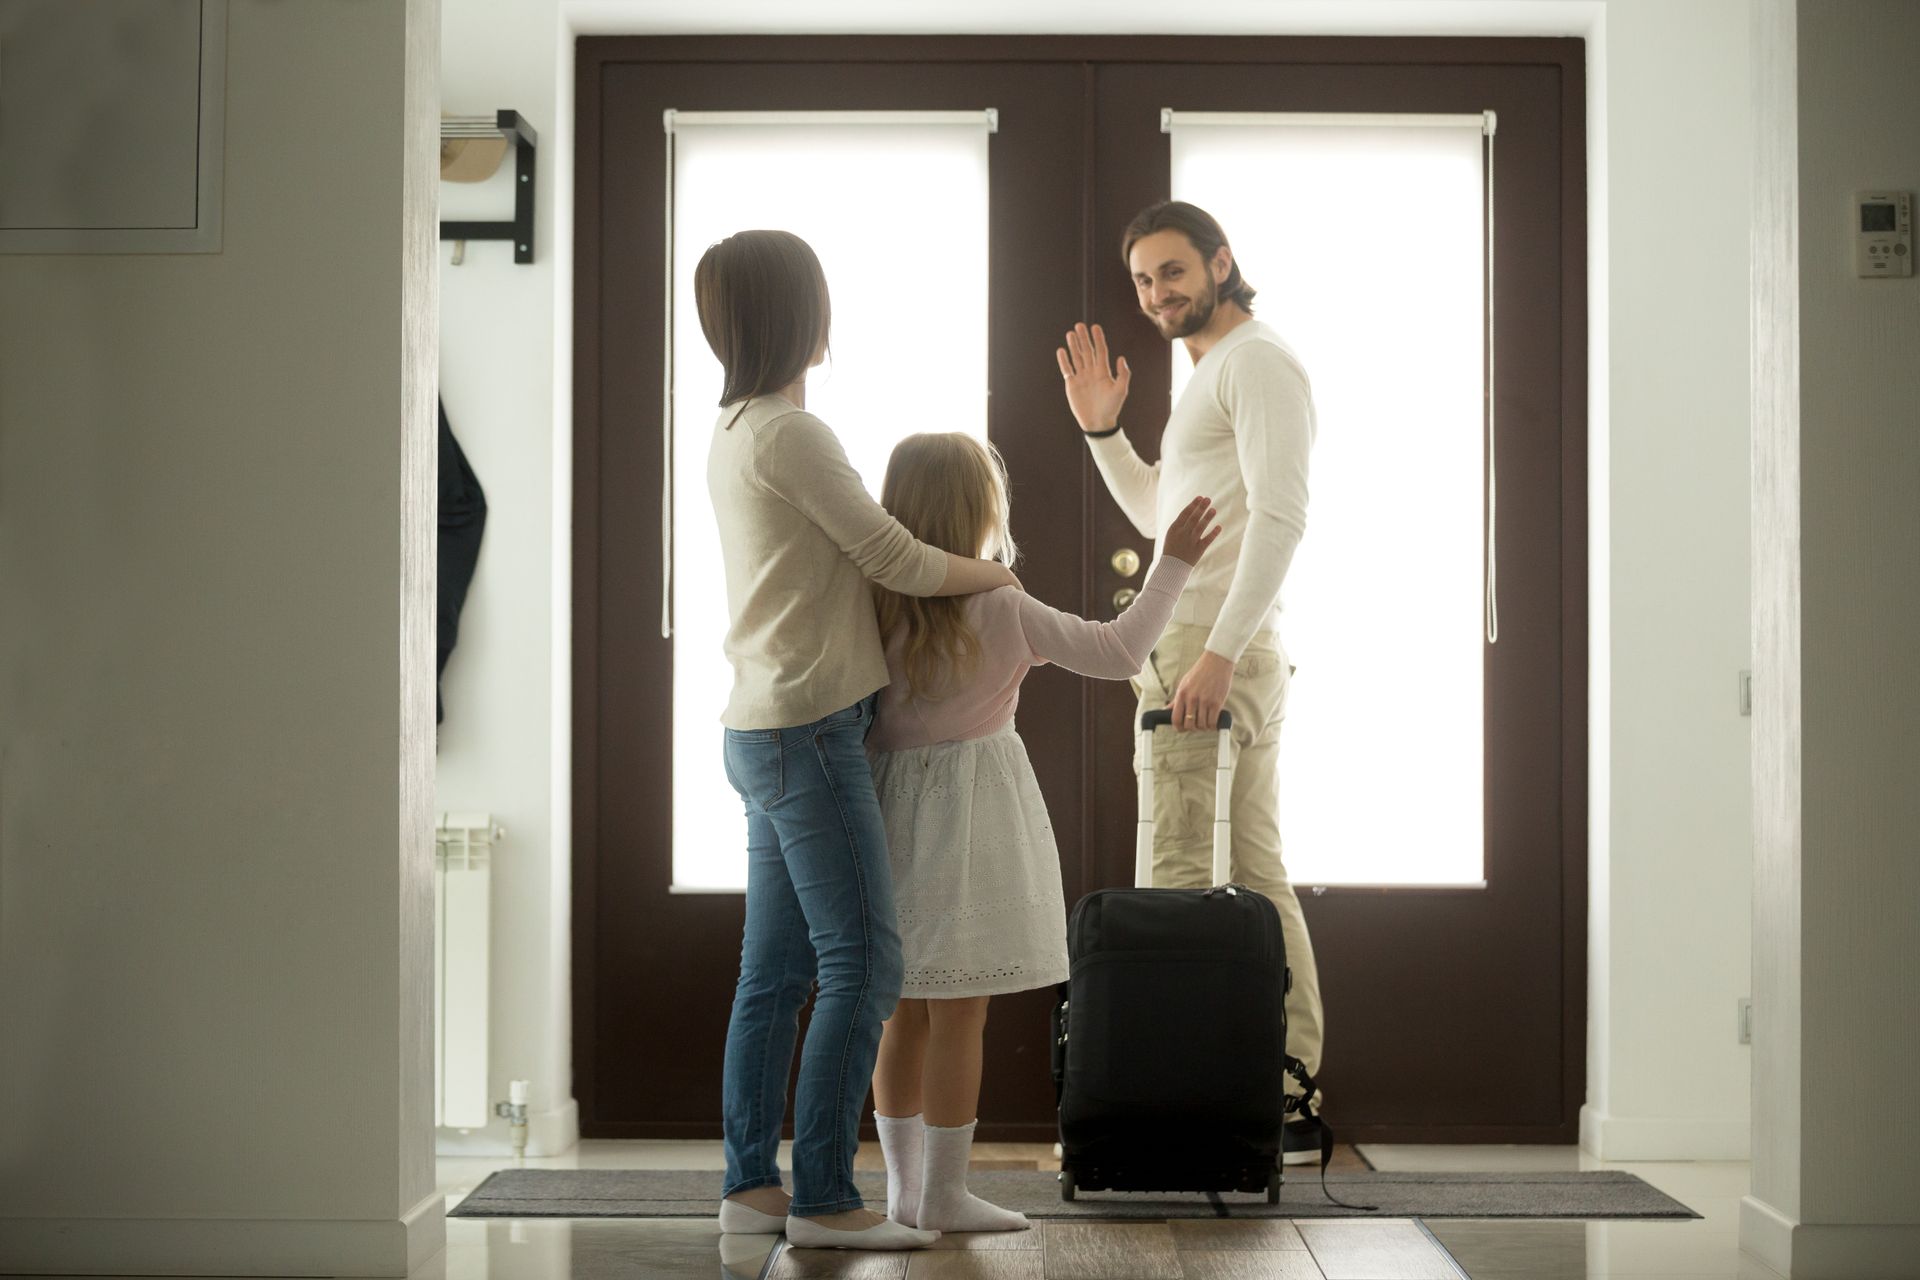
(763, 306)
(1201, 231)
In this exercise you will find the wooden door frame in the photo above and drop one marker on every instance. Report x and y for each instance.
(594, 55)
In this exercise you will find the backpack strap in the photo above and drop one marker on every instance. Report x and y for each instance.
(1301, 1104)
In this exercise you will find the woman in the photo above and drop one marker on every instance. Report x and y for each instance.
(801, 538)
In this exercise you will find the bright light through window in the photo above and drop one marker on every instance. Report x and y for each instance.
(894, 210)
(1367, 246)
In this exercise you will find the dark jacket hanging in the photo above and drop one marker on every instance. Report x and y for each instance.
(463, 516)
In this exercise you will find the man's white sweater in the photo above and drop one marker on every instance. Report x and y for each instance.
(1240, 435)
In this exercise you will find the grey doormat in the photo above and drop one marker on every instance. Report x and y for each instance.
(657, 1193)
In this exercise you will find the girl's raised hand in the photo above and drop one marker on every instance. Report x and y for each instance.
(1188, 537)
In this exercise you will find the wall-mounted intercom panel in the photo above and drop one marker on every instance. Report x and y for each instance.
(1883, 233)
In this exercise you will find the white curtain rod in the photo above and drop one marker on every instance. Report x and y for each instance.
(988, 117)
(1485, 121)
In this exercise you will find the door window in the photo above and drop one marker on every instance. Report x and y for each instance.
(1366, 244)
(895, 205)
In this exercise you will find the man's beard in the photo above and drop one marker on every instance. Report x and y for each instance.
(1194, 318)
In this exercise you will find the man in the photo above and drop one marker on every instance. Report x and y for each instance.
(1239, 435)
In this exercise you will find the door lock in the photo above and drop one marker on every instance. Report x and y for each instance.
(1124, 597)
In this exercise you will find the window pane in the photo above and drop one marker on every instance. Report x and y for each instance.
(893, 210)
(1367, 245)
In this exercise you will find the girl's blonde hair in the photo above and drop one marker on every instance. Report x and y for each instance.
(950, 491)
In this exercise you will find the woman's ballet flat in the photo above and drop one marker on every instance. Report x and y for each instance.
(738, 1219)
(805, 1233)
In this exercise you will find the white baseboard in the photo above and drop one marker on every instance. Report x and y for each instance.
(1608, 1137)
(549, 1133)
(1765, 1234)
(426, 1228)
(224, 1246)
(1819, 1251)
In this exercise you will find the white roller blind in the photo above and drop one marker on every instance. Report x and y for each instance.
(1367, 240)
(895, 205)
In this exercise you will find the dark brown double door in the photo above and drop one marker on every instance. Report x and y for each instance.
(1452, 1015)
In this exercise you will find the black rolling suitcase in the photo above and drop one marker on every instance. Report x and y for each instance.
(1170, 1042)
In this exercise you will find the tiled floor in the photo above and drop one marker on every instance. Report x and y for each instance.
(1249, 1250)
(1253, 1250)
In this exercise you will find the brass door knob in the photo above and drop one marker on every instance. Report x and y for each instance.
(1124, 597)
(1126, 562)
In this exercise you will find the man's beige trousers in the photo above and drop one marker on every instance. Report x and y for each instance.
(1183, 804)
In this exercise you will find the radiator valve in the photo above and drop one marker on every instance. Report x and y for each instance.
(514, 1110)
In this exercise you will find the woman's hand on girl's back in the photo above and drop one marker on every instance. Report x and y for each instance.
(1188, 537)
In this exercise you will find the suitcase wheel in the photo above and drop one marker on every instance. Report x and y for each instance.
(1066, 1184)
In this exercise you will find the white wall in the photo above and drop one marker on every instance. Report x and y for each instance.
(1859, 61)
(1669, 113)
(504, 746)
(1670, 866)
(1775, 375)
(1837, 1190)
(215, 576)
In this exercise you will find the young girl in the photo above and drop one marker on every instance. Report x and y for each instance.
(975, 872)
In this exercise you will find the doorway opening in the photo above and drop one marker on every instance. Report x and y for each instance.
(1427, 977)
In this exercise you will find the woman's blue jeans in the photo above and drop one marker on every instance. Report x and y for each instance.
(819, 905)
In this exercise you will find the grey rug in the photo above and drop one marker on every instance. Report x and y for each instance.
(650, 1193)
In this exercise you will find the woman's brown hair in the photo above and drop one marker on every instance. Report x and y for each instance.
(950, 491)
(1201, 231)
(764, 309)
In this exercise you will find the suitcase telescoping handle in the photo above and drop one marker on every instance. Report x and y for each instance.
(1222, 800)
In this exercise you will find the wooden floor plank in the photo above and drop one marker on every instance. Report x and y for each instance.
(838, 1264)
(1032, 1155)
(1389, 1249)
(979, 1264)
(1029, 1241)
(1346, 1159)
(1234, 1233)
(1249, 1264)
(1110, 1251)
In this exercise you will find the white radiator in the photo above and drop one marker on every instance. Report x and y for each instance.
(463, 894)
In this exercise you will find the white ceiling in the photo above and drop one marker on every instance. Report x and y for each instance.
(1088, 17)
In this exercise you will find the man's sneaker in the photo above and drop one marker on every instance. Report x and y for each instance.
(1300, 1141)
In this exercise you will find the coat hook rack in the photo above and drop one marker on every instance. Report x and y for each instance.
(516, 130)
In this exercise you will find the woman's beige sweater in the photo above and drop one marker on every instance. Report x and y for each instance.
(801, 538)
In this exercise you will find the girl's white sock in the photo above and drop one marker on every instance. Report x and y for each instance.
(900, 1143)
(945, 1202)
